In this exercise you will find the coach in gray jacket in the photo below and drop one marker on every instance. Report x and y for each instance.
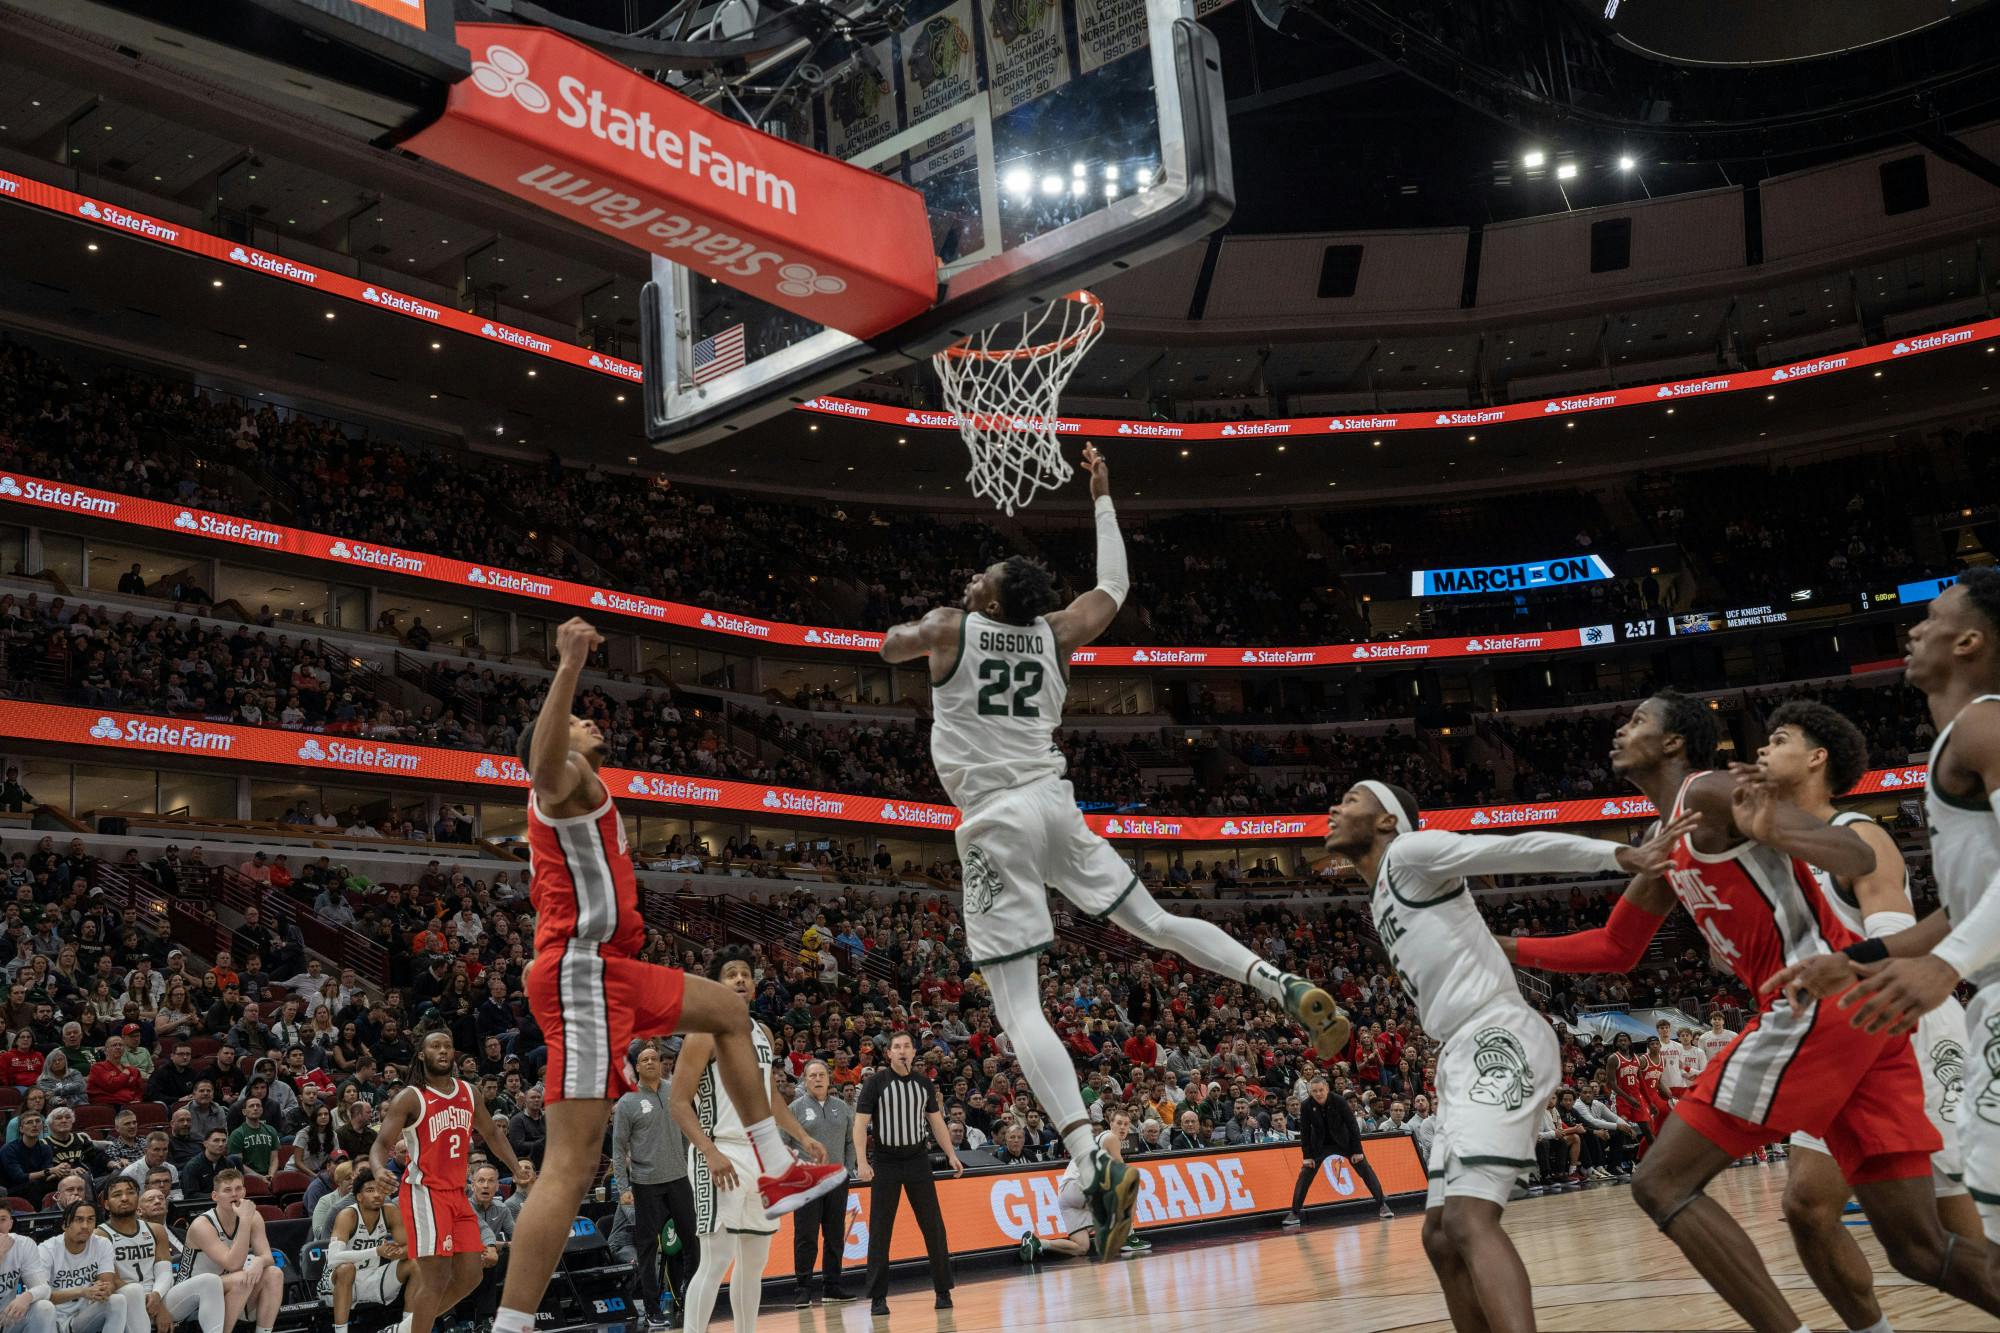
(821, 1226)
(649, 1157)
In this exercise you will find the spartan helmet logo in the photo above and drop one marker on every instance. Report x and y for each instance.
(1948, 1067)
(1500, 1064)
(1988, 1104)
(982, 882)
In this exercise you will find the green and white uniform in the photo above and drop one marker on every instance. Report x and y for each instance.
(995, 715)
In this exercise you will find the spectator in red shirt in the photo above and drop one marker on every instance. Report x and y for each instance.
(224, 970)
(112, 1080)
(21, 1065)
(1141, 1049)
(258, 868)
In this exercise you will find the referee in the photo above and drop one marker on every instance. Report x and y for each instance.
(907, 1115)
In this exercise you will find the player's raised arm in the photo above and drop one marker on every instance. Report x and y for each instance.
(935, 635)
(551, 769)
(1091, 614)
(1618, 944)
(1760, 812)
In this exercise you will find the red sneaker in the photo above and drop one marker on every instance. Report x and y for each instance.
(799, 1186)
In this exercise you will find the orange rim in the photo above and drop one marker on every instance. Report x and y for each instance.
(1082, 298)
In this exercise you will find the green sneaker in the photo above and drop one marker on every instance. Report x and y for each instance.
(1111, 1193)
(1324, 1021)
(1031, 1248)
(1137, 1244)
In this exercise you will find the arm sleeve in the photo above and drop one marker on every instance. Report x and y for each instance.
(339, 1252)
(163, 1278)
(1616, 946)
(1974, 943)
(1113, 580)
(1438, 857)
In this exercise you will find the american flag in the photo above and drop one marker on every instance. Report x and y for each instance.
(718, 354)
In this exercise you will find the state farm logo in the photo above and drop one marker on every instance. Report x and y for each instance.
(162, 735)
(1369, 652)
(1688, 388)
(311, 750)
(1262, 828)
(401, 304)
(8, 486)
(281, 268)
(1517, 814)
(1584, 403)
(346, 754)
(1363, 423)
(841, 638)
(501, 579)
(504, 73)
(1805, 368)
(1930, 342)
(514, 337)
(1904, 777)
(895, 812)
(185, 521)
(1170, 656)
(208, 525)
(1258, 428)
(1468, 418)
(1630, 807)
(663, 788)
(374, 555)
(1151, 428)
(132, 222)
(1277, 656)
(929, 420)
(1083, 656)
(634, 606)
(60, 497)
(804, 280)
(1505, 643)
(841, 407)
(728, 624)
(1144, 828)
(1479, 818)
(621, 368)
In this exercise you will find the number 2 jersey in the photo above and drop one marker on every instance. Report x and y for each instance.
(1448, 961)
(995, 713)
(440, 1138)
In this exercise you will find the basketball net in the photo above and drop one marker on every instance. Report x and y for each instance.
(1003, 385)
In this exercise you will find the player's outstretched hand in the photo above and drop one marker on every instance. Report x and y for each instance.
(575, 638)
(1099, 470)
(1894, 994)
(1817, 978)
(1652, 856)
(1754, 803)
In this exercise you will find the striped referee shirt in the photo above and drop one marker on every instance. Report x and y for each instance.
(900, 1105)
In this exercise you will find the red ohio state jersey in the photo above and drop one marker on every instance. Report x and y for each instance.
(440, 1138)
(1627, 1074)
(1759, 909)
(583, 885)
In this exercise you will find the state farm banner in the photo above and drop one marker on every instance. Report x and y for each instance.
(550, 121)
(160, 515)
(151, 733)
(993, 1210)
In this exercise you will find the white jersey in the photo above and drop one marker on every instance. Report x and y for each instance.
(995, 713)
(1673, 1065)
(718, 1116)
(194, 1261)
(73, 1272)
(21, 1267)
(1965, 845)
(133, 1254)
(1448, 961)
(1712, 1042)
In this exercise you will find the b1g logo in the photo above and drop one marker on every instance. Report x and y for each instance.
(1500, 1068)
(982, 882)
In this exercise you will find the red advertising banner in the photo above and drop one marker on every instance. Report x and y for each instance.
(992, 1211)
(135, 511)
(550, 121)
(149, 733)
(21, 189)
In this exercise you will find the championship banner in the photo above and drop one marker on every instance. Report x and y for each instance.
(850, 105)
(992, 1211)
(151, 733)
(552, 122)
(161, 516)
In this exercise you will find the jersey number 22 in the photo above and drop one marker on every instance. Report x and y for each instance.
(1025, 677)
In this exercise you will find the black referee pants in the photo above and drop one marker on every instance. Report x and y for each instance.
(894, 1177)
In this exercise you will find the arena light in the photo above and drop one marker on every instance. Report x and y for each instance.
(1625, 163)
(1533, 158)
(1052, 184)
(1567, 171)
(1018, 181)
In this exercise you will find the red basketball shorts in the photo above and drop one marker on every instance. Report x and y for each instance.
(439, 1222)
(1860, 1093)
(591, 1007)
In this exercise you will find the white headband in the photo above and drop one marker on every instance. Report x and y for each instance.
(1380, 791)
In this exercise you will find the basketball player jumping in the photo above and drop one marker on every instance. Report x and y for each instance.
(1500, 1061)
(1813, 755)
(592, 996)
(435, 1118)
(999, 670)
(1954, 658)
(728, 1216)
(1745, 875)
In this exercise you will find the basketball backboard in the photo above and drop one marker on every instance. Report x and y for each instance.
(1054, 141)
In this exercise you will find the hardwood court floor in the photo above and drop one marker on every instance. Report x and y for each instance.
(1597, 1263)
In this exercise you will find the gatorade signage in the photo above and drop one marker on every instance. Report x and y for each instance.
(153, 734)
(548, 120)
(1509, 578)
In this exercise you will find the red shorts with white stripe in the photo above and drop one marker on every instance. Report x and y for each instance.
(1816, 1072)
(591, 1007)
(439, 1222)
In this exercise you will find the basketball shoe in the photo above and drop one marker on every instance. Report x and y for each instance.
(1112, 1192)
